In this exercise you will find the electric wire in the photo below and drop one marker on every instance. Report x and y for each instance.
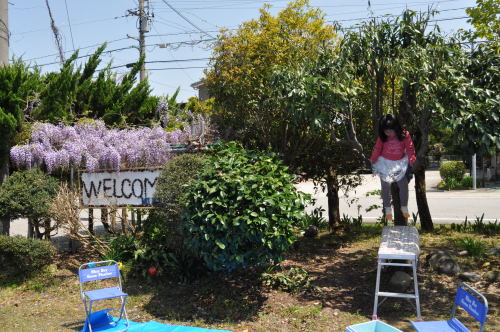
(186, 19)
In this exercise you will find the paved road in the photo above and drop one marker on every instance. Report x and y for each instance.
(445, 206)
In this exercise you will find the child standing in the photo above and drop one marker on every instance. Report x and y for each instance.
(392, 155)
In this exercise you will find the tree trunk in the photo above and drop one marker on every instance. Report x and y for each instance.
(124, 221)
(380, 77)
(333, 200)
(139, 216)
(5, 226)
(91, 221)
(47, 227)
(30, 229)
(423, 208)
(36, 226)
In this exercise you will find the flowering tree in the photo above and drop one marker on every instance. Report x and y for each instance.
(93, 146)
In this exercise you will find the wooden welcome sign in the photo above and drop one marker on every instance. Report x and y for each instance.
(128, 187)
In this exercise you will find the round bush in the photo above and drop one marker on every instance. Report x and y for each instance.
(242, 210)
(22, 256)
(27, 194)
(452, 170)
(170, 187)
(161, 243)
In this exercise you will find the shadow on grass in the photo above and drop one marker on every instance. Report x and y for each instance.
(213, 298)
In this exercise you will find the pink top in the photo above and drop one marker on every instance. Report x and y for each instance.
(394, 149)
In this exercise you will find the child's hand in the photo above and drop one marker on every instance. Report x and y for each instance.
(409, 173)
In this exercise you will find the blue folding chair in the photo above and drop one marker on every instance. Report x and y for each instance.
(94, 273)
(471, 301)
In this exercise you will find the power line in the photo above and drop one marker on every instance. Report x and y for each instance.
(74, 24)
(186, 19)
(69, 23)
(86, 56)
(234, 6)
(170, 61)
(389, 15)
(81, 48)
(175, 68)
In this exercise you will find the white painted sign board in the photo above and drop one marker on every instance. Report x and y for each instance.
(134, 187)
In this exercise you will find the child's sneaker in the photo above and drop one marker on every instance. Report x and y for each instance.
(404, 209)
(388, 213)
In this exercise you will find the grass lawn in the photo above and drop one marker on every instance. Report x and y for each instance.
(341, 267)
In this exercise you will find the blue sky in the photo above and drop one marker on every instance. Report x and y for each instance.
(85, 24)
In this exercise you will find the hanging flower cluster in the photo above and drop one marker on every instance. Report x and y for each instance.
(93, 146)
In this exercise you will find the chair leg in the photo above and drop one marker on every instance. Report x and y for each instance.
(88, 316)
(377, 288)
(122, 311)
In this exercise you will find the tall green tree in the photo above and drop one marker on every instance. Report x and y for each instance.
(19, 88)
(76, 92)
(276, 84)
(242, 61)
(428, 90)
(476, 119)
(407, 68)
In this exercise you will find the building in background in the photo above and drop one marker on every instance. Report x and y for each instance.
(202, 89)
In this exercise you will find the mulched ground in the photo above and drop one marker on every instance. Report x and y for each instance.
(342, 269)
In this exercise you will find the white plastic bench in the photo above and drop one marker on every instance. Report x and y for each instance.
(398, 243)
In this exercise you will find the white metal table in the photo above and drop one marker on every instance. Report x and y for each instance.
(399, 243)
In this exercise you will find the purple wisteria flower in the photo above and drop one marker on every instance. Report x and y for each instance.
(93, 146)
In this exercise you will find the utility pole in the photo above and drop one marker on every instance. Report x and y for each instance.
(4, 33)
(143, 16)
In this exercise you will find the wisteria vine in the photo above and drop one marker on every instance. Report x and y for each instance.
(93, 146)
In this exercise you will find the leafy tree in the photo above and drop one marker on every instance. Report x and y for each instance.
(477, 120)
(27, 194)
(242, 61)
(276, 85)
(408, 69)
(76, 92)
(429, 78)
(19, 87)
(484, 17)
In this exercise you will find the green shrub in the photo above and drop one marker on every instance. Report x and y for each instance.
(28, 194)
(174, 265)
(171, 185)
(351, 222)
(243, 209)
(466, 182)
(473, 247)
(161, 244)
(122, 248)
(478, 226)
(452, 170)
(449, 184)
(314, 218)
(20, 256)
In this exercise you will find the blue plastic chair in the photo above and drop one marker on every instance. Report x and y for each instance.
(471, 301)
(93, 273)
